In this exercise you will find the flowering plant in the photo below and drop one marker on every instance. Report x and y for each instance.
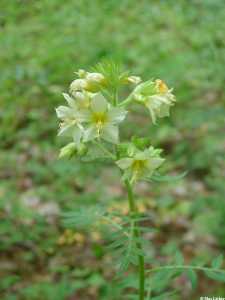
(92, 119)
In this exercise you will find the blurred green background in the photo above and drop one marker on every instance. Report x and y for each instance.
(42, 44)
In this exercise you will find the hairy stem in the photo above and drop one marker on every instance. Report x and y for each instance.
(133, 211)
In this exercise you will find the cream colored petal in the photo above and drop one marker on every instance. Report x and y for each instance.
(142, 155)
(77, 134)
(164, 111)
(70, 100)
(99, 103)
(65, 129)
(124, 163)
(83, 116)
(110, 133)
(63, 112)
(90, 133)
(154, 163)
(116, 115)
(152, 113)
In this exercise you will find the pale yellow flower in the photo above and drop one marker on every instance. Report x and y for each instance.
(103, 120)
(140, 164)
(71, 119)
(156, 96)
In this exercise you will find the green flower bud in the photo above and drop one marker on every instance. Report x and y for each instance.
(68, 151)
(82, 149)
(94, 81)
(81, 73)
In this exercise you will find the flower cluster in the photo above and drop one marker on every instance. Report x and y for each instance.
(88, 115)
(92, 115)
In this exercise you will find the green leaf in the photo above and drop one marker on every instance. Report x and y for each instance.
(140, 143)
(178, 258)
(218, 276)
(191, 274)
(168, 178)
(217, 262)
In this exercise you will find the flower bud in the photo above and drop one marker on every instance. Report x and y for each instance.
(78, 85)
(94, 81)
(81, 73)
(82, 149)
(95, 78)
(68, 151)
(134, 79)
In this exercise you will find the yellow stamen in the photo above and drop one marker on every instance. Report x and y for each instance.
(99, 119)
(161, 86)
(138, 165)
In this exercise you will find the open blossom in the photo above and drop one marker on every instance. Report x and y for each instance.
(140, 164)
(103, 120)
(156, 96)
(71, 119)
(83, 99)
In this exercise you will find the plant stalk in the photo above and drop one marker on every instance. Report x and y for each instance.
(141, 262)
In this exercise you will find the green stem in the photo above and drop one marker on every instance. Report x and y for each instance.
(115, 96)
(126, 101)
(141, 262)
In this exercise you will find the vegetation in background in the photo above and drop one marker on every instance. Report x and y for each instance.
(42, 44)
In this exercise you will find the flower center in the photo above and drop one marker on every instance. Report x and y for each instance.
(161, 86)
(138, 165)
(99, 119)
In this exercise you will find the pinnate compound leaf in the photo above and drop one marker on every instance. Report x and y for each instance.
(83, 218)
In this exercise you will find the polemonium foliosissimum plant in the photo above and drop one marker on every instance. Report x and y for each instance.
(91, 119)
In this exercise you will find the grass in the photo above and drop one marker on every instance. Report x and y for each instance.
(42, 44)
